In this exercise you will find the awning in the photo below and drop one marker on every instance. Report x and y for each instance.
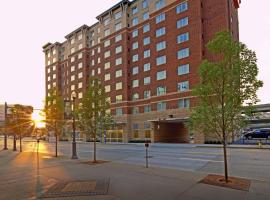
(170, 120)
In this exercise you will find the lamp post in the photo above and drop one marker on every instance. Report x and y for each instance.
(74, 150)
(5, 139)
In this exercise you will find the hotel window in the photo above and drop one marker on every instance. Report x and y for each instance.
(49, 78)
(54, 84)
(93, 62)
(80, 85)
(80, 36)
(107, 65)
(161, 60)
(118, 49)
(183, 69)
(118, 15)
(135, 70)
(107, 77)
(93, 52)
(98, 60)
(80, 95)
(118, 98)
(145, 4)
(54, 68)
(118, 38)
(147, 80)
(72, 50)
(146, 41)
(107, 43)
(160, 4)
(93, 72)
(98, 49)
(135, 96)
(146, 28)
(161, 75)
(183, 86)
(135, 110)
(184, 103)
(161, 90)
(49, 62)
(72, 59)
(135, 58)
(107, 21)
(118, 73)
(135, 21)
(80, 46)
(161, 106)
(161, 45)
(118, 61)
(147, 94)
(160, 32)
(145, 16)
(107, 88)
(72, 68)
(107, 54)
(135, 45)
(161, 17)
(182, 38)
(99, 70)
(146, 54)
(118, 111)
(54, 60)
(80, 75)
(147, 108)
(48, 70)
(72, 88)
(49, 87)
(135, 33)
(107, 32)
(182, 22)
(135, 83)
(72, 78)
(80, 55)
(134, 10)
(146, 67)
(80, 65)
(183, 53)
(182, 7)
(118, 86)
(118, 26)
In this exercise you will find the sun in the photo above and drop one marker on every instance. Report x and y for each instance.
(38, 119)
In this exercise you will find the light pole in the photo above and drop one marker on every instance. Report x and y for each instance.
(5, 139)
(74, 150)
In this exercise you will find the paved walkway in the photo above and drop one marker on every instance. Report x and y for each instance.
(29, 175)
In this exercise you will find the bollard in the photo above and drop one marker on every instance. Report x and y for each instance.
(146, 153)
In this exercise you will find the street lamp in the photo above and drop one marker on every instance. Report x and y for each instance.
(74, 151)
(5, 139)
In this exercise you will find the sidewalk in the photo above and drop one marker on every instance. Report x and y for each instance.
(30, 175)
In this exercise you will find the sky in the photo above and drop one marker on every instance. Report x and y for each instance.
(29, 24)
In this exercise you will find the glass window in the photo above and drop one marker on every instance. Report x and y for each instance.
(146, 28)
(161, 90)
(107, 88)
(135, 33)
(161, 60)
(107, 21)
(118, 86)
(147, 80)
(118, 98)
(135, 58)
(134, 10)
(146, 54)
(107, 43)
(161, 106)
(80, 55)
(118, 38)
(182, 38)
(118, 26)
(160, 4)
(183, 53)
(80, 75)
(118, 49)
(146, 41)
(147, 94)
(80, 65)
(183, 69)
(80, 84)
(145, 4)
(135, 45)
(135, 83)
(118, 61)
(72, 59)
(107, 32)
(107, 65)
(182, 7)
(135, 21)
(160, 32)
(183, 103)
(135, 96)
(135, 70)
(107, 54)
(161, 17)
(118, 73)
(182, 22)
(107, 77)
(183, 86)
(145, 15)
(146, 67)
(135, 110)
(118, 15)
(161, 75)
(118, 111)
(161, 45)
(147, 108)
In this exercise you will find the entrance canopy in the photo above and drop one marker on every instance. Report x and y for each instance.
(170, 120)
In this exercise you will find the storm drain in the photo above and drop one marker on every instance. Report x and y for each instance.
(78, 188)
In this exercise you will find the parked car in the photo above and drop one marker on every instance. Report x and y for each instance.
(258, 133)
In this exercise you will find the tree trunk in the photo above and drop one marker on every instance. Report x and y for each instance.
(20, 142)
(225, 158)
(14, 143)
(95, 148)
(56, 142)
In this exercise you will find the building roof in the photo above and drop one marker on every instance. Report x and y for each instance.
(77, 30)
(113, 8)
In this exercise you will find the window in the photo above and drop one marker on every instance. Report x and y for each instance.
(145, 16)
(182, 22)
(161, 60)
(182, 7)
(160, 4)
(118, 98)
(147, 108)
(135, 110)
(107, 65)
(107, 88)
(183, 86)
(183, 53)
(118, 49)
(135, 21)
(80, 46)
(93, 62)
(80, 75)
(80, 85)
(80, 95)
(135, 96)
(118, 26)
(49, 78)
(118, 61)
(182, 38)
(72, 59)
(146, 28)
(80, 65)
(135, 58)
(183, 103)
(145, 4)
(118, 15)
(118, 38)
(161, 45)
(161, 90)
(161, 17)
(161, 106)
(107, 54)
(135, 128)
(72, 50)
(160, 32)
(54, 68)
(161, 75)
(80, 55)
(135, 83)
(107, 77)
(93, 72)
(54, 51)
(118, 86)
(135, 45)
(118, 73)
(72, 68)
(72, 78)
(48, 70)
(146, 54)
(107, 43)
(107, 21)
(183, 69)
(147, 94)
(147, 80)
(135, 33)
(72, 87)
(134, 10)
(146, 67)
(107, 32)
(146, 41)
(118, 111)
(135, 70)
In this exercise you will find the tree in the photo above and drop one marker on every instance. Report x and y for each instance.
(54, 112)
(227, 83)
(93, 111)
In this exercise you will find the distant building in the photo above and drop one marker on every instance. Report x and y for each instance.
(147, 54)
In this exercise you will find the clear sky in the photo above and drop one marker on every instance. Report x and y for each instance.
(27, 25)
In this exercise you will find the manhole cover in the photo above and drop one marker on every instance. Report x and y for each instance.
(78, 188)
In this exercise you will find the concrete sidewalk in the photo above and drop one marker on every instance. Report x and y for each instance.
(30, 175)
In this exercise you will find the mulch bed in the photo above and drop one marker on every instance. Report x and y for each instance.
(233, 183)
(91, 162)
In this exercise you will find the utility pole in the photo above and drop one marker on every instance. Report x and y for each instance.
(5, 139)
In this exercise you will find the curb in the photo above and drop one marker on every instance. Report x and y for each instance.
(234, 147)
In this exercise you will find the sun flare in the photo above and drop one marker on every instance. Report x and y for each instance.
(38, 119)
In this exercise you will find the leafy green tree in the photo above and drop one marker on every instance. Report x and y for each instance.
(92, 112)
(227, 83)
(54, 115)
